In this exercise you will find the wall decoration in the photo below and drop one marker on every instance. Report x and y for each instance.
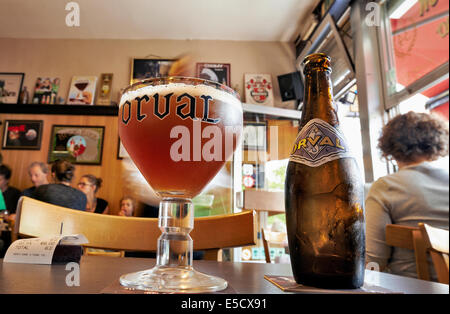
(82, 90)
(217, 72)
(77, 144)
(104, 91)
(254, 136)
(46, 90)
(10, 87)
(258, 89)
(22, 134)
(148, 68)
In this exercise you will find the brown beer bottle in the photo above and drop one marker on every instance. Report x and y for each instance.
(324, 192)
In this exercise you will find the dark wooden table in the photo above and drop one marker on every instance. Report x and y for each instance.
(98, 273)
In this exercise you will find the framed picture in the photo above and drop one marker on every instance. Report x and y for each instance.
(147, 68)
(46, 90)
(217, 72)
(22, 134)
(77, 144)
(121, 151)
(255, 136)
(10, 87)
(82, 90)
(258, 89)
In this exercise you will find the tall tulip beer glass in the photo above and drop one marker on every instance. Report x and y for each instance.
(179, 132)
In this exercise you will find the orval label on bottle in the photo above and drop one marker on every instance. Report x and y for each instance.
(318, 142)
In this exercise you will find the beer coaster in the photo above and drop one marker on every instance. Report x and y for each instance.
(288, 284)
(116, 288)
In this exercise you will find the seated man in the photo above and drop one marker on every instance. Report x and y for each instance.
(38, 172)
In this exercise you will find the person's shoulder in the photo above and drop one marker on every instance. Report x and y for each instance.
(14, 190)
(29, 192)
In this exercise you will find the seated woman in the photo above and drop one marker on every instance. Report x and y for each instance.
(418, 192)
(10, 194)
(61, 193)
(89, 185)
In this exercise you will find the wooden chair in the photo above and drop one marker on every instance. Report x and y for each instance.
(410, 238)
(37, 219)
(266, 246)
(266, 203)
(436, 243)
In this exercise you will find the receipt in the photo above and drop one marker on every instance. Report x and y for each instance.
(39, 250)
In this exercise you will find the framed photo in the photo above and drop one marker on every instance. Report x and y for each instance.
(255, 136)
(82, 90)
(121, 151)
(148, 68)
(46, 90)
(10, 87)
(22, 134)
(77, 144)
(258, 89)
(217, 72)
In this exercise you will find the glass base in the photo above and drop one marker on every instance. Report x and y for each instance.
(166, 279)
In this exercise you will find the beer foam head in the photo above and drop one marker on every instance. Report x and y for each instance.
(181, 88)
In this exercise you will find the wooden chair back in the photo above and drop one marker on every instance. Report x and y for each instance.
(436, 242)
(38, 219)
(410, 238)
(265, 203)
(261, 200)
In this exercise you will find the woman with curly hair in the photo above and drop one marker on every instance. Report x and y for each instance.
(418, 192)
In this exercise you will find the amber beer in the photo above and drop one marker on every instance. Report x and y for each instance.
(324, 192)
(178, 133)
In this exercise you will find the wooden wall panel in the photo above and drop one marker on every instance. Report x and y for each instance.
(110, 169)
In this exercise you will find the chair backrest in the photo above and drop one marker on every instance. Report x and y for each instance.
(436, 242)
(37, 219)
(266, 246)
(264, 201)
(410, 238)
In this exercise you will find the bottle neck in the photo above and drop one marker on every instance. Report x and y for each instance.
(318, 99)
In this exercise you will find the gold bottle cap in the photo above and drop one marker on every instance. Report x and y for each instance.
(316, 60)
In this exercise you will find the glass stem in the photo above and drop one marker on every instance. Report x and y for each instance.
(176, 220)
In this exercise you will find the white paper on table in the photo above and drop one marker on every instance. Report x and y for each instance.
(39, 250)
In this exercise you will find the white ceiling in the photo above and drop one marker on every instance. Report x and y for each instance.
(248, 20)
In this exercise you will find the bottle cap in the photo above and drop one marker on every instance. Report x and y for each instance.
(316, 60)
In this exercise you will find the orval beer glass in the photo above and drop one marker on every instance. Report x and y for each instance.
(179, 131)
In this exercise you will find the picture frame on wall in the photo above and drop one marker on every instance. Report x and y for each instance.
(254, 136)
(46, 90)
(216, 72)
(259, 89)
(10, 87)
(142, 69)
(77, 144)
(82, 90)
(22, 134)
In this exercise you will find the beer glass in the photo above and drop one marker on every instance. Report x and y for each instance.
(179, 132)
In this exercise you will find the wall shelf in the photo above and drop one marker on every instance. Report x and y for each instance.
(96, 110)
(82, 110)
(272, 111)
